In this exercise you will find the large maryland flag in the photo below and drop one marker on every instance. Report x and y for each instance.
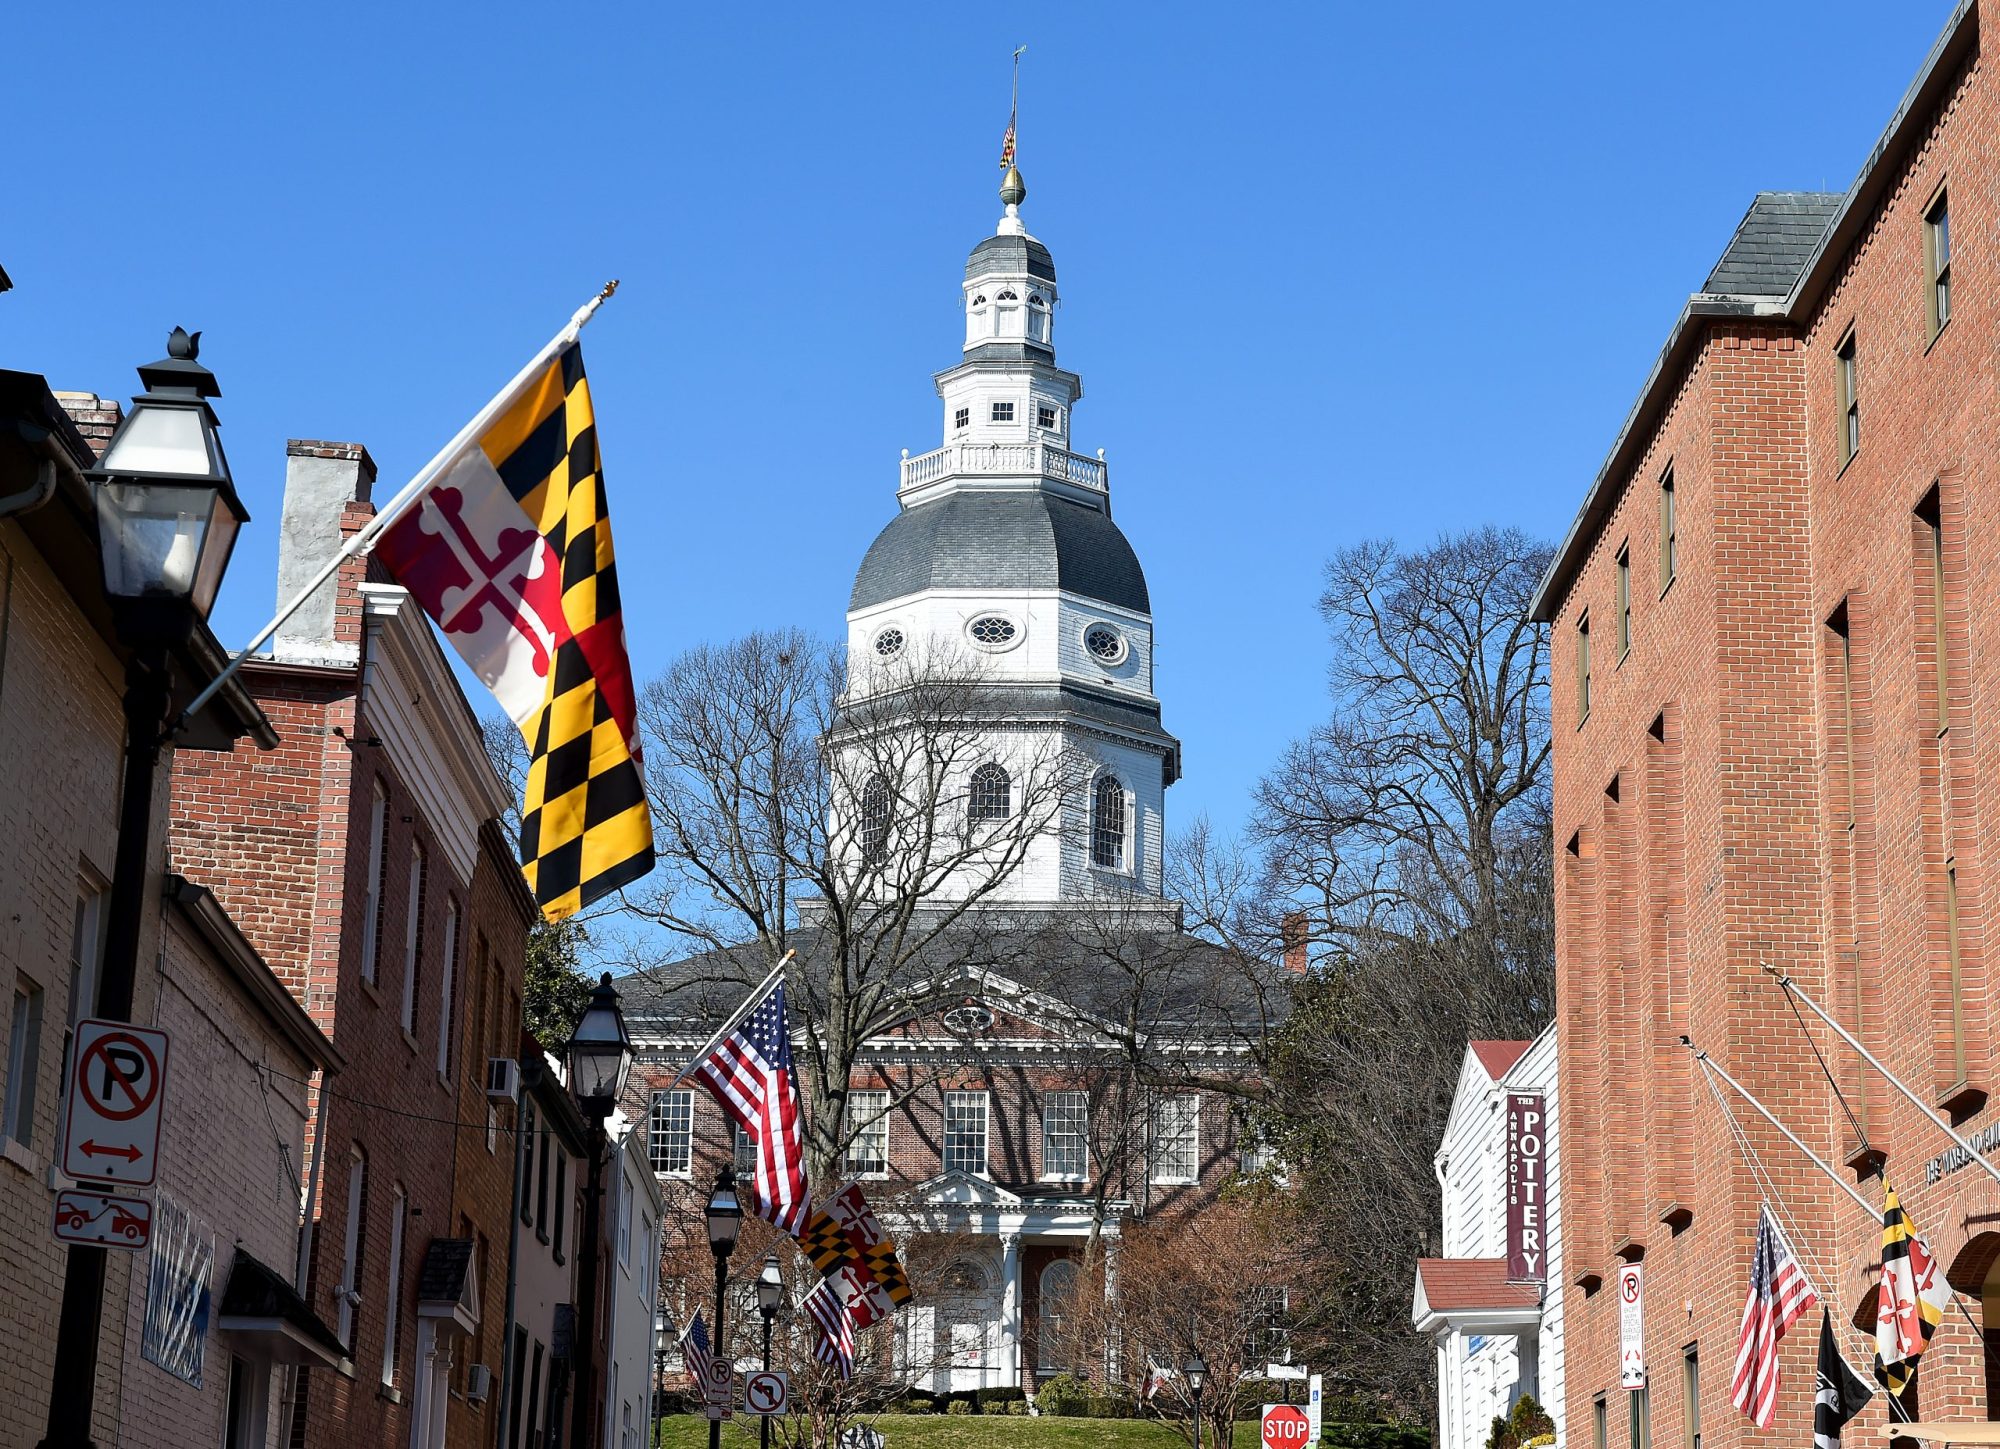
(509, 550)
(1910, 1297)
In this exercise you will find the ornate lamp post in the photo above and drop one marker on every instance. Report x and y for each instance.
(725, 1221)
(599, 1057)
(1196, 1370)
(167, 519)
(770, 1295)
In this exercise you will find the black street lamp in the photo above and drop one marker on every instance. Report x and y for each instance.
(725, 1221)
(661, 1327)
(598, 1057)
(770, 1294)
(1196, 1370)
(167, 519)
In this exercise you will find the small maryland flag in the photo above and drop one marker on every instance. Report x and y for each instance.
(509, 550)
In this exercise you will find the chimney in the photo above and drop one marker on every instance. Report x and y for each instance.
(97, 418)
(1296, 938)
(321, 480)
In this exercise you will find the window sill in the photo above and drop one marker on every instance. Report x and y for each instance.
(1668, 586)
(374, 991)
(1960, 1100)
(865, 1176)
(1847, 462)
(12, 1151)
(410, 1041)
(1069, 1177)
(1172, 1182)
(390, 1392)
(1942, 328)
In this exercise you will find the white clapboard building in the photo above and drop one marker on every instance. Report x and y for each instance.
(1493, 1301)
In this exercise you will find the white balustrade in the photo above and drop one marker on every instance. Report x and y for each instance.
(1034, 459)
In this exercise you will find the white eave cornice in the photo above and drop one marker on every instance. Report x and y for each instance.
(414, 705)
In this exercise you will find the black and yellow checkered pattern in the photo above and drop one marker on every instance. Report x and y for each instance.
(831, 1247)
(585, 830)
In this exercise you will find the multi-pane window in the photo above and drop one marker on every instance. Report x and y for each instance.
(1670, 553)
(413, 939)
(1065, 1134)
(868, 1144)
(393, 1291)
(1045, 416)
(371, 906)
(1849, 376)
(874, 819)
(670, 1133)
(1937, 261)
(1003, 412)
(1107, 823)
(961, 419)
(746, 1155)
(1691, 1397)
(992, 792)
(1583, 667)
(1269, 1338)
(1176, 1139)
(965, 1132)
(447, 985)
(1624, 601)
(24, 1038)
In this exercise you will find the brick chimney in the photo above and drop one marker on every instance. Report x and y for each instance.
(1296, 938)
(97, 418)
(322, 483)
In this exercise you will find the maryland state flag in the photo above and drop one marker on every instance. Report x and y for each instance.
(509, 550)
(849, 1245)
(1910, 1299)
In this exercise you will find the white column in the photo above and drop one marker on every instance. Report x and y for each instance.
(1010, 1309)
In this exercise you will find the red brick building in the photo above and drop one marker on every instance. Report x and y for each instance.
(1770, 749)
(362, 859)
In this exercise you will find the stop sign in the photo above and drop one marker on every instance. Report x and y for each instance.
(1285, 1427)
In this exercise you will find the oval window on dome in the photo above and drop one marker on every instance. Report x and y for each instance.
(992, 631)
(1106, 644)
(889, 643)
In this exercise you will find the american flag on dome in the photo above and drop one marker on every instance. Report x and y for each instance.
(750, 1073)
(694, 1349)
(834, 1344)
(1779, 1293)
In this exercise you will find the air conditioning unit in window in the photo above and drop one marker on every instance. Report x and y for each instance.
(503, 1079)
(479, 1378)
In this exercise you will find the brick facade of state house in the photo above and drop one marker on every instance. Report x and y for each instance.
(1771, 751)
(361, 860)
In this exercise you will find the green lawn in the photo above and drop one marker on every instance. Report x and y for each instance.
(961, 1431)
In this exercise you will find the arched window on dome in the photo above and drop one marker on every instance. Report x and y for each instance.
(874, 819)
(992, 792)
(1107, 823)
(1010, 295)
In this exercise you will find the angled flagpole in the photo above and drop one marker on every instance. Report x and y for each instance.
(1791, 988)
(729, 1023)
(364, 539)
(1708, 1064)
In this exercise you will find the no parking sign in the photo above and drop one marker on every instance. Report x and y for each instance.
(117, 1087)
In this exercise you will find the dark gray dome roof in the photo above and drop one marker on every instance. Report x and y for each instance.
(1011, 254)
(1020, 540)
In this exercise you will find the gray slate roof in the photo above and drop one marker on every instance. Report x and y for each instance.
(1012, 540)
(442, 1277)
(1011, 254)
(1773, 243)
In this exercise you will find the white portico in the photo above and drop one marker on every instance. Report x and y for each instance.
(1003, 555)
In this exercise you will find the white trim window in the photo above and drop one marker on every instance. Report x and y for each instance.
(413, 939)
(371, 905)
(447, 984)
(348, 1294)
(24, 1063)
(393, 1303)
(1108, 823)
(965, 1132)
(868, 1148)
(1176, 1139)
(670, 1133)
(1065, 1136)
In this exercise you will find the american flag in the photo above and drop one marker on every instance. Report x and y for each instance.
(834, 1344)
(1779, 1293)
(750, 1073)
(695, 1352)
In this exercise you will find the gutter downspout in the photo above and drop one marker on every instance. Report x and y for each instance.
(35, 494)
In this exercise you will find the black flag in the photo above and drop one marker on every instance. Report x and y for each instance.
(1842, 1392)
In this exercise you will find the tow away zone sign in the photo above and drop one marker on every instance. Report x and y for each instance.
(117, 1086)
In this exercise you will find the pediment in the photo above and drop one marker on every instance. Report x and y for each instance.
(962, 1189)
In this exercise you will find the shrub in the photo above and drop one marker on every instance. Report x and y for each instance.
(1109, 1406)
(919, 1404)
(959, 1406)
(1064, 1394)
(1017, 1407)
(989, 1397)
(1376, 1435)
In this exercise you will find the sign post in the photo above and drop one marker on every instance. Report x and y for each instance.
(117, 1086)
(1631, 1328)
(1285, 1427)
(1315, 1409)
(1527, 1188)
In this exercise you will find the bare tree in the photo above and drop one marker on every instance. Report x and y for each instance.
(799, 806)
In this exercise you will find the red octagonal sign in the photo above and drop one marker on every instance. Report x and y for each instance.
(1285, 1427)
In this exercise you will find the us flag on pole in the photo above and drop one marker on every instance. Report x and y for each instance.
(695, 1351)
(834, 1344)
(750, 1073)
(1779, 1293)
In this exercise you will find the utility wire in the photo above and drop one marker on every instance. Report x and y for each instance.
(1826, 1071)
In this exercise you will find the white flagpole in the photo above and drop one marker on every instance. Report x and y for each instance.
(729, 1025)
(410, 492)
(1785, 983)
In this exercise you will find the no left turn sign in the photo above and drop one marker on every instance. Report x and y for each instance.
(117, 1086)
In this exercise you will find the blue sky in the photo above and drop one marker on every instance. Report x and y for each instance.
(1329, 271)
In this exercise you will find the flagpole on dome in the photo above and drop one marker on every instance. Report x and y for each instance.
(1792, 988)
(365, 538)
